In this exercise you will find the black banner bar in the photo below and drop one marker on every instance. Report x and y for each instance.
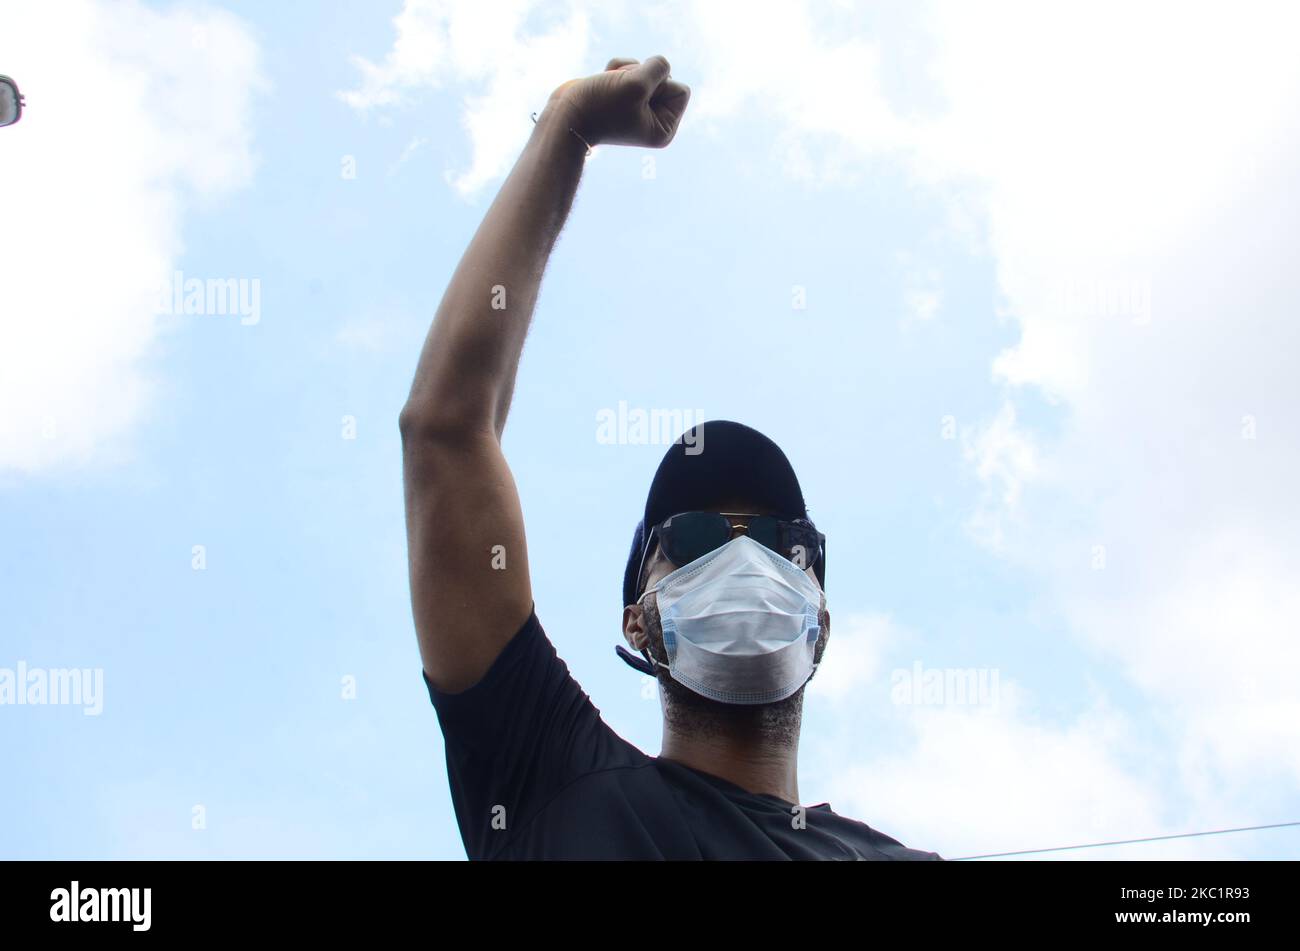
(1221, 900)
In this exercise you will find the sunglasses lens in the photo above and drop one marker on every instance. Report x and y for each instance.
(804, 547)
(766, 530)
(789, 540)
(692, 535)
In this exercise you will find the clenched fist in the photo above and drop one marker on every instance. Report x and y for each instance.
(630, 103)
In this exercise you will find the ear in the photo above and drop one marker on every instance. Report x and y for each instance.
(634, 630)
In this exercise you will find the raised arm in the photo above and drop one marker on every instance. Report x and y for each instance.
(470, 589)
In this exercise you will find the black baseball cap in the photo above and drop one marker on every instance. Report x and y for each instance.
(711, 463)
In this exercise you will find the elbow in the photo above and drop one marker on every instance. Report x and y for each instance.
(421, 429)
(411, 424)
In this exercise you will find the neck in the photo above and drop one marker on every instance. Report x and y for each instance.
(752, 763)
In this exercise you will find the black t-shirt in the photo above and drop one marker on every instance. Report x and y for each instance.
(537, 774)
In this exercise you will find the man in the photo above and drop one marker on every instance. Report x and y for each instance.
(722, 592)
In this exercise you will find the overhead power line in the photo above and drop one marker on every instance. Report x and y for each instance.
(1098, 845)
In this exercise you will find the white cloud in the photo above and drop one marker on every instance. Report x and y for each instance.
(771, 58)
(1003, 459)
(486, 47)
(853, 655)
(132, 114)
(1134, 170)
(922, 303)
(978, 780)
(922, 290)
(1135, 166)
(1120, 230)
(968, 771)
(411, 148)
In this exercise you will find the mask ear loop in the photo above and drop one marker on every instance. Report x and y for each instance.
(646, 663)
(635, 662)
(813, 673)
(650, 658)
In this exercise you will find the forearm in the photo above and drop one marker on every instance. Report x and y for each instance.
(461, 499)
(465, 375)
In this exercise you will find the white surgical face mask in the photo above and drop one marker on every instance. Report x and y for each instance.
(740, 624)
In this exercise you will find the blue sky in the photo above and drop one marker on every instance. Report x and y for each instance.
(1038, 398)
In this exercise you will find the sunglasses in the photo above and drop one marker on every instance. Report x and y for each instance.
(690, 535)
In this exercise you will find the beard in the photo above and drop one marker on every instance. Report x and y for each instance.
(688, 713)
